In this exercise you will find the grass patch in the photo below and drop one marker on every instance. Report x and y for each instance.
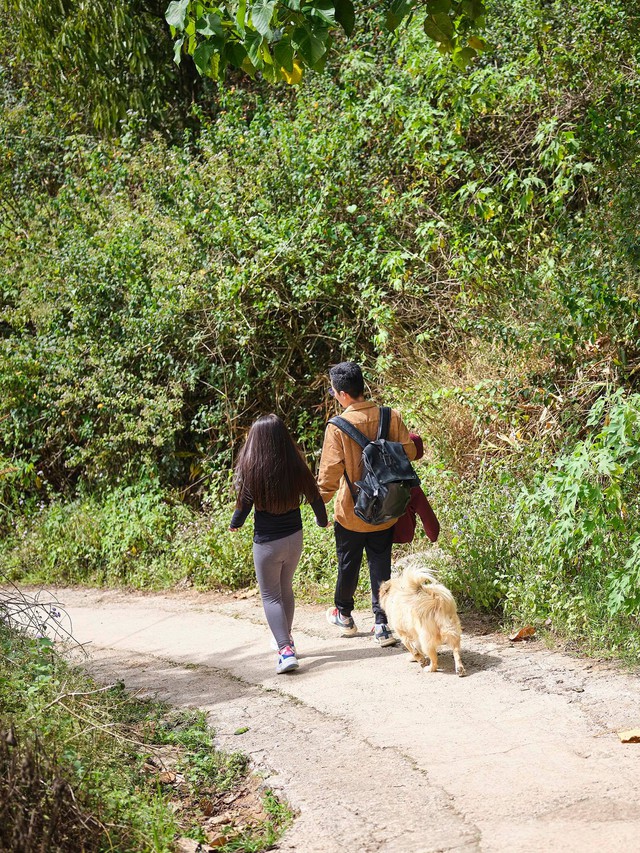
(89, 768)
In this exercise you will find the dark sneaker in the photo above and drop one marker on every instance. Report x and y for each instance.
(383, 636)
(287, 660)
(346, 623)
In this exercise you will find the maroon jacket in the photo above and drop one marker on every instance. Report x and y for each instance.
(405, 527)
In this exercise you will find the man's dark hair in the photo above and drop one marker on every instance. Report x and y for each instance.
(347, 376)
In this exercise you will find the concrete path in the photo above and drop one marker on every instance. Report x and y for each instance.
(376, 754)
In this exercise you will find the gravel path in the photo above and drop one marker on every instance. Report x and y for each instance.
(376, 754)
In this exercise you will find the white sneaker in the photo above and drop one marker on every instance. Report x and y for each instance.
(287, 660)
(334, 617)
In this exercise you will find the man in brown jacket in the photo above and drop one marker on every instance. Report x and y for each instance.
(340, 455)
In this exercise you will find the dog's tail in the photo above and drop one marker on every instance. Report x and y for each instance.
(420, 579)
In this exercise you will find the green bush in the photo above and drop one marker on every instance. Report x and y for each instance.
(74, 763)
(120, 539)
(581, 518)
(479, 534)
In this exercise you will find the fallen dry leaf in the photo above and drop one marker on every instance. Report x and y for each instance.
(230, 798)
(524, 633)
(188, 845)
(249, 593)
(215, 839)
(166, 777)
(225, 819)
(632, 736)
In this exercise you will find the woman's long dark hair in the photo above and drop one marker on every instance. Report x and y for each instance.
(270, 469)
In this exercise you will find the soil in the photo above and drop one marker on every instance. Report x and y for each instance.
(374, 753)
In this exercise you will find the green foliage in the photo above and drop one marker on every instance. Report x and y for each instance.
(280, 38)
(156, 296)
(139, 537)
(94, 743)
(478, 229)
(554, 542)
(57, 713)
(479, 534)
(582, 517)
(100, 59)
(119, 540)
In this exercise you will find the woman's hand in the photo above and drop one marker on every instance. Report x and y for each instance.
(234, 529)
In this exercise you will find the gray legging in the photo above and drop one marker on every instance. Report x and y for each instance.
(275, 564)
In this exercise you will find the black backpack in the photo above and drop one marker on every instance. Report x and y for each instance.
(384, 491)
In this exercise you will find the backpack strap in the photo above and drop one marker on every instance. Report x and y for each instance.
(385, 422)
(348, 428)
(355, 434)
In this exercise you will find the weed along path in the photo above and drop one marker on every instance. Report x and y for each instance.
(375, 754)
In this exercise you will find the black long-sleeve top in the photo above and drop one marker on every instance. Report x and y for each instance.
(268, 526)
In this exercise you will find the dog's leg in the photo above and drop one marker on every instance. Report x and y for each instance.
(433, 657)
(460, 670)
(411, 647)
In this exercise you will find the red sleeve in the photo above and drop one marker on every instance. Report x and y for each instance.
(427, 515)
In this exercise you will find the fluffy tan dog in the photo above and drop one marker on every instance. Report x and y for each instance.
(423, 614)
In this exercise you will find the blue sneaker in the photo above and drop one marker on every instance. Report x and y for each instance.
(287, 660)
(334, 617)
(383, 636)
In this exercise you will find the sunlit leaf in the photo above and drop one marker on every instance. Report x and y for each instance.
(261, 14)
(295, 76)
(176, 13)
(462, 57)
(177, 51)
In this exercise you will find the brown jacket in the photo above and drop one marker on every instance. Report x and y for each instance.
(339, 452)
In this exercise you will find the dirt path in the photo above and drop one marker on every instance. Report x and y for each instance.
(377, 754)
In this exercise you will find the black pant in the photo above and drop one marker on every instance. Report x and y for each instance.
(349, 545)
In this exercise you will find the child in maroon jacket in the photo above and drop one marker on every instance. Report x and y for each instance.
(405, 527)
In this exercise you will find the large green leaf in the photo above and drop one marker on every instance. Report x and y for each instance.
(283, 53)
(439, 27)
(202, 56)
(241, 16)
(310, 43)
(397, 12)
(261, 14)
(473, 9)
(176, 13)
(345, 15)
(322, 9)
(253, 42)
(210, 25)
(435, 6)
(235, 53)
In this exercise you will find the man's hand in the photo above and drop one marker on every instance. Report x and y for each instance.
(234, 529)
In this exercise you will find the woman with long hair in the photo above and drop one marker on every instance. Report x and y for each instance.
(272, 477)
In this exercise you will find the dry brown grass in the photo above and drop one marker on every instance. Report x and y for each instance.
(38, 810)
(448, 400)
